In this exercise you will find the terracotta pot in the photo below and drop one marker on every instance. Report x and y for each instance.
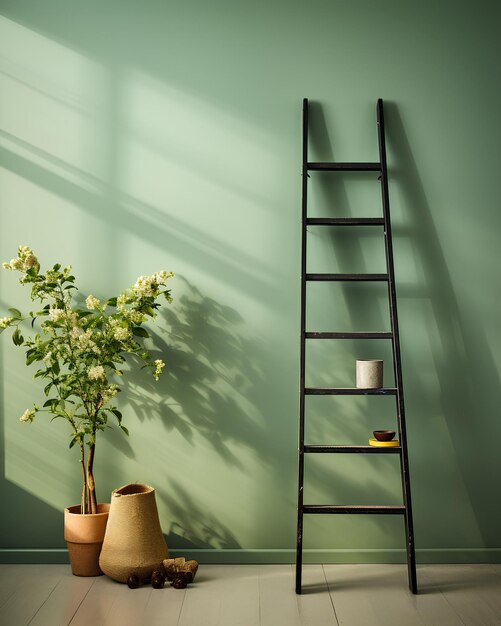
(84, 536)
(133, 543)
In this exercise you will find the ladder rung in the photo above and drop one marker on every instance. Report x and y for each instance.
(350, 391)
(353, 449)
(345, 167)
(347, 277)
(350, 335)
(345, 221)
(329, 508)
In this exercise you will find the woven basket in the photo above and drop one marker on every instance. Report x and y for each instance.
(133, 543)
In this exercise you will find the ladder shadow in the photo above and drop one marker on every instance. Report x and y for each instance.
(466, 370)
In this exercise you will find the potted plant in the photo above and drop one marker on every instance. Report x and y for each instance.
(79, 352)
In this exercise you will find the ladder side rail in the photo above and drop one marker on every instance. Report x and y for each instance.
(404, 462)
(302, 357)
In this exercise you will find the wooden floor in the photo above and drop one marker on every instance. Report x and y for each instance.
(257, 595)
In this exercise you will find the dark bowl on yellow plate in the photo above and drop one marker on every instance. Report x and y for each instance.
(384, 435)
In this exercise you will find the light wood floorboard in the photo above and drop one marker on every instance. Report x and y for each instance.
(315, 603)
(10, 577)
(64, 600)
(164, 608)
(223, 595)
(277, 600)
(33, 586)
(98, 603)
(473, 591)
(375, 595)
(257, 595)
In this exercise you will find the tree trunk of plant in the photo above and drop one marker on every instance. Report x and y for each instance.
(85, 490)
(92, 504)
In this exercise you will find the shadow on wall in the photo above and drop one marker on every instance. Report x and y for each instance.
(212, 381)
(20, 508)
(193, 527)
(209, 389)
(464, 365)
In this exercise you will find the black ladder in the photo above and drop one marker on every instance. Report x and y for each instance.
(397, 391)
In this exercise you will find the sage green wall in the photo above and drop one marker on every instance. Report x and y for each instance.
(137, 136)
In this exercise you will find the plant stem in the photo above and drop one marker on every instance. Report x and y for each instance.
(84, 504)
(90, 479)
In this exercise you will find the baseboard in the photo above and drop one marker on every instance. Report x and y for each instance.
(423, 555)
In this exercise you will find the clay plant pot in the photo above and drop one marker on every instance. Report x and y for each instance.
(84, 535)
(133, 543)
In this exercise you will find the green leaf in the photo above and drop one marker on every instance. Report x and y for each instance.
(84, 313)
(16, 313)
(47, 388)
(139, 332)
(17, 338)
(117, 413)
(57, 267)
(32, 355)
(124, 429)
(55, 368)
(111, 302)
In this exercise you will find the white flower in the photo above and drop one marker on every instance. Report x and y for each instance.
(145, 287)
(27, 416)
(51, 276)
(31, 261)
(92, 302)
(109, 393)
(159, 365)
(121, 333)
(56, 315)
(135, 316)
(161, 277)
(72, 318)
(85, 339)
(5, 321)
(96, 372)
(24, 261)
(48, 358)
(75, 332)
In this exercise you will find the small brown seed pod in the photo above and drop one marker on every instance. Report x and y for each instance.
(133, 581)
(157, 579)
(181, 580)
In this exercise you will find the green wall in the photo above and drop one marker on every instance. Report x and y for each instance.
(138, 136)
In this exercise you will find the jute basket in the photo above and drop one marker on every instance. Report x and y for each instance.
(133, 543)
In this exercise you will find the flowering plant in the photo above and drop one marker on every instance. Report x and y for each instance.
(79, 350)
